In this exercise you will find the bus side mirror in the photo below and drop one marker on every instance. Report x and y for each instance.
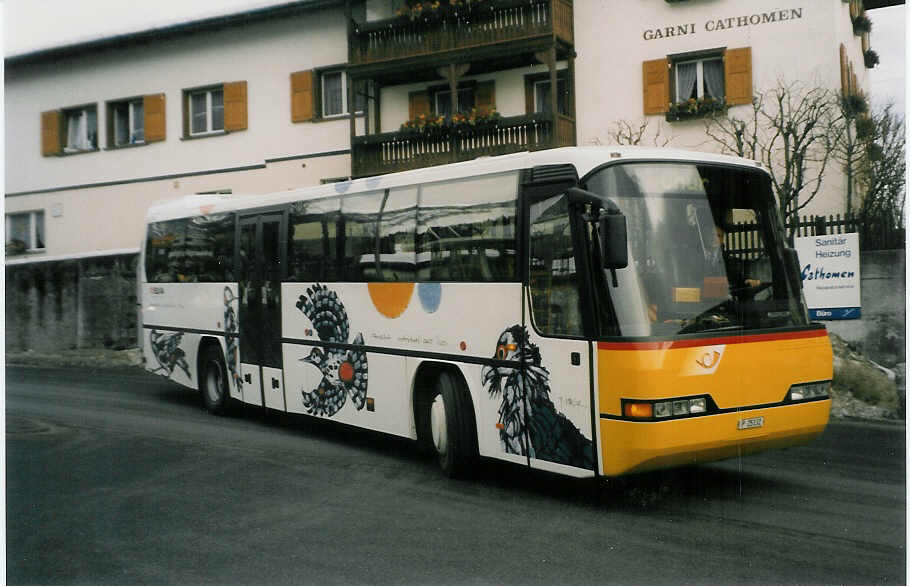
(613, 241)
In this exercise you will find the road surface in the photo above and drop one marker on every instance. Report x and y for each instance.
(122, 478)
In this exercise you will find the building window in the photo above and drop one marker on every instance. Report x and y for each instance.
(542, 96)
(334, 96)
(206, 111)
(443, 101)
(699, 78)
(81, 126)
(24, 232)
(127, 122)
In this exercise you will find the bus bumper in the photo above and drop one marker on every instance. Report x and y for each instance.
(632, 446)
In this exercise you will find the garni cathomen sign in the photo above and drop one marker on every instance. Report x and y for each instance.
(722, 24)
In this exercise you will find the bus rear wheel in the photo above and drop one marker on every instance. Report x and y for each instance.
(448, 427)
(213, 381)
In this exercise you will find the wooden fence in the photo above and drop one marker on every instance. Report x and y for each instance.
(745, 238)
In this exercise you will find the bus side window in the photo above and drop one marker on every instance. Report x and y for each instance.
(397, 258)
(360, 213)
(312, 240)
(466, 229)
(165, 251)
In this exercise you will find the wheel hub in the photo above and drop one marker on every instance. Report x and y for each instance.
(438, 425)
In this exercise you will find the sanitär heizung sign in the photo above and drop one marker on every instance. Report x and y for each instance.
(829, 266)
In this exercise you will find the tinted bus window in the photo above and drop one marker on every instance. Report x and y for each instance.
(210, 248)
(359, 215)
(165, 251)
(312, 240)
(466, 230)
(397, 258)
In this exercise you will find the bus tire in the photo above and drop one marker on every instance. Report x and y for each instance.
(449, 419)
(213, 381)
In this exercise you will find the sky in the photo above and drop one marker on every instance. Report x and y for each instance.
(26, 28)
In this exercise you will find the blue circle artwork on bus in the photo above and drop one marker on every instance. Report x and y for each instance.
(430, 295)
(553, 437)
(344, 370)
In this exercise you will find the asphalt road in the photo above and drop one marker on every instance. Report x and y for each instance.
(124, 479)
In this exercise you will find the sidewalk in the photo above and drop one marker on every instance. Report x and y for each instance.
(129, 359)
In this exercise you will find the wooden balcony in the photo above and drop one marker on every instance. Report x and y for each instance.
(496, 25)
(390, 152)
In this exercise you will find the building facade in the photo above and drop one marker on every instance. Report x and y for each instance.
(261, 101)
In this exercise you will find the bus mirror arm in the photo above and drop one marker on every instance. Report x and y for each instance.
(612, 227)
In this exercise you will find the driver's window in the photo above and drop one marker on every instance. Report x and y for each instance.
(555, 303)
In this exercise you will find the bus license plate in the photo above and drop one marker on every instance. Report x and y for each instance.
(750, 423)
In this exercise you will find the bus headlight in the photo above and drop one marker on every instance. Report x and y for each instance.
(806, 391)
(678, 407)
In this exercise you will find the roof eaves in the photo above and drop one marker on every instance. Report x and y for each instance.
(179, 29)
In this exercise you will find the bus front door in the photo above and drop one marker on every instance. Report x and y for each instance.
(260, 261)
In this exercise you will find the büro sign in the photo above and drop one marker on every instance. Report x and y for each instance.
(829, 267)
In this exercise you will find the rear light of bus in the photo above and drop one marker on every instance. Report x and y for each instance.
(807, 391)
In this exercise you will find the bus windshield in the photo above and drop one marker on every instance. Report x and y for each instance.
(706, 251)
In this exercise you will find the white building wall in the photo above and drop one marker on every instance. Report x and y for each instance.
(263, 54)
(614, 37)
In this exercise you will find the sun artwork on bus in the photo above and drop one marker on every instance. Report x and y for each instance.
(343, 370)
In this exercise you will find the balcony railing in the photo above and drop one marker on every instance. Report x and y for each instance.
(390, 152)
(498, 21)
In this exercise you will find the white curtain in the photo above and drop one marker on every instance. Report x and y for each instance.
(714, 78)
(686, 75)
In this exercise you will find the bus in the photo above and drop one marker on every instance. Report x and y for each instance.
(577, 310)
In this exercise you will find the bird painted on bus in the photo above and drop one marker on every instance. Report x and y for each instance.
(167, 351)
(529, 424)
(344, 370)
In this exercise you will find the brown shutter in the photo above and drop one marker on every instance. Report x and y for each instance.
(153, 112)
(302, 102)
(844, 84)
(656, 82)
(235, 106)
(485, 96)
(418, 103)
(738, 76)
(51, 126)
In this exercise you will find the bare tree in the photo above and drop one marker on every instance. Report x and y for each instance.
(624, 132)
(790, 131)
(850, 135)
(882, 179)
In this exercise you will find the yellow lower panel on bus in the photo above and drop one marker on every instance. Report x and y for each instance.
(631, 446)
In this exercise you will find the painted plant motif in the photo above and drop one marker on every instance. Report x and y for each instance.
(526, 413)
(230, 336)
(167, 351)
(343, 370)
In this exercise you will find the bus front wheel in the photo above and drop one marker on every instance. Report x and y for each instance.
(449, 426)
(213, 381)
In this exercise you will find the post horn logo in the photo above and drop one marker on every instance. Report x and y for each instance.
(708, 359)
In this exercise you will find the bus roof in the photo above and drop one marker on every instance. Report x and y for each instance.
(585, 159)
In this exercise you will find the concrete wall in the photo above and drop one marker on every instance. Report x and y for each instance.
(881, 332)
(85, 303)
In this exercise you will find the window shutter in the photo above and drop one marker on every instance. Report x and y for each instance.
(485, 96)
(51, 123)
(418, 103)
(235, 106)
(302, 103)
(153, 112)
(656, 82)
(738, 76)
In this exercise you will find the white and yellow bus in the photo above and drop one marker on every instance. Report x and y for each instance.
(571, 310)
